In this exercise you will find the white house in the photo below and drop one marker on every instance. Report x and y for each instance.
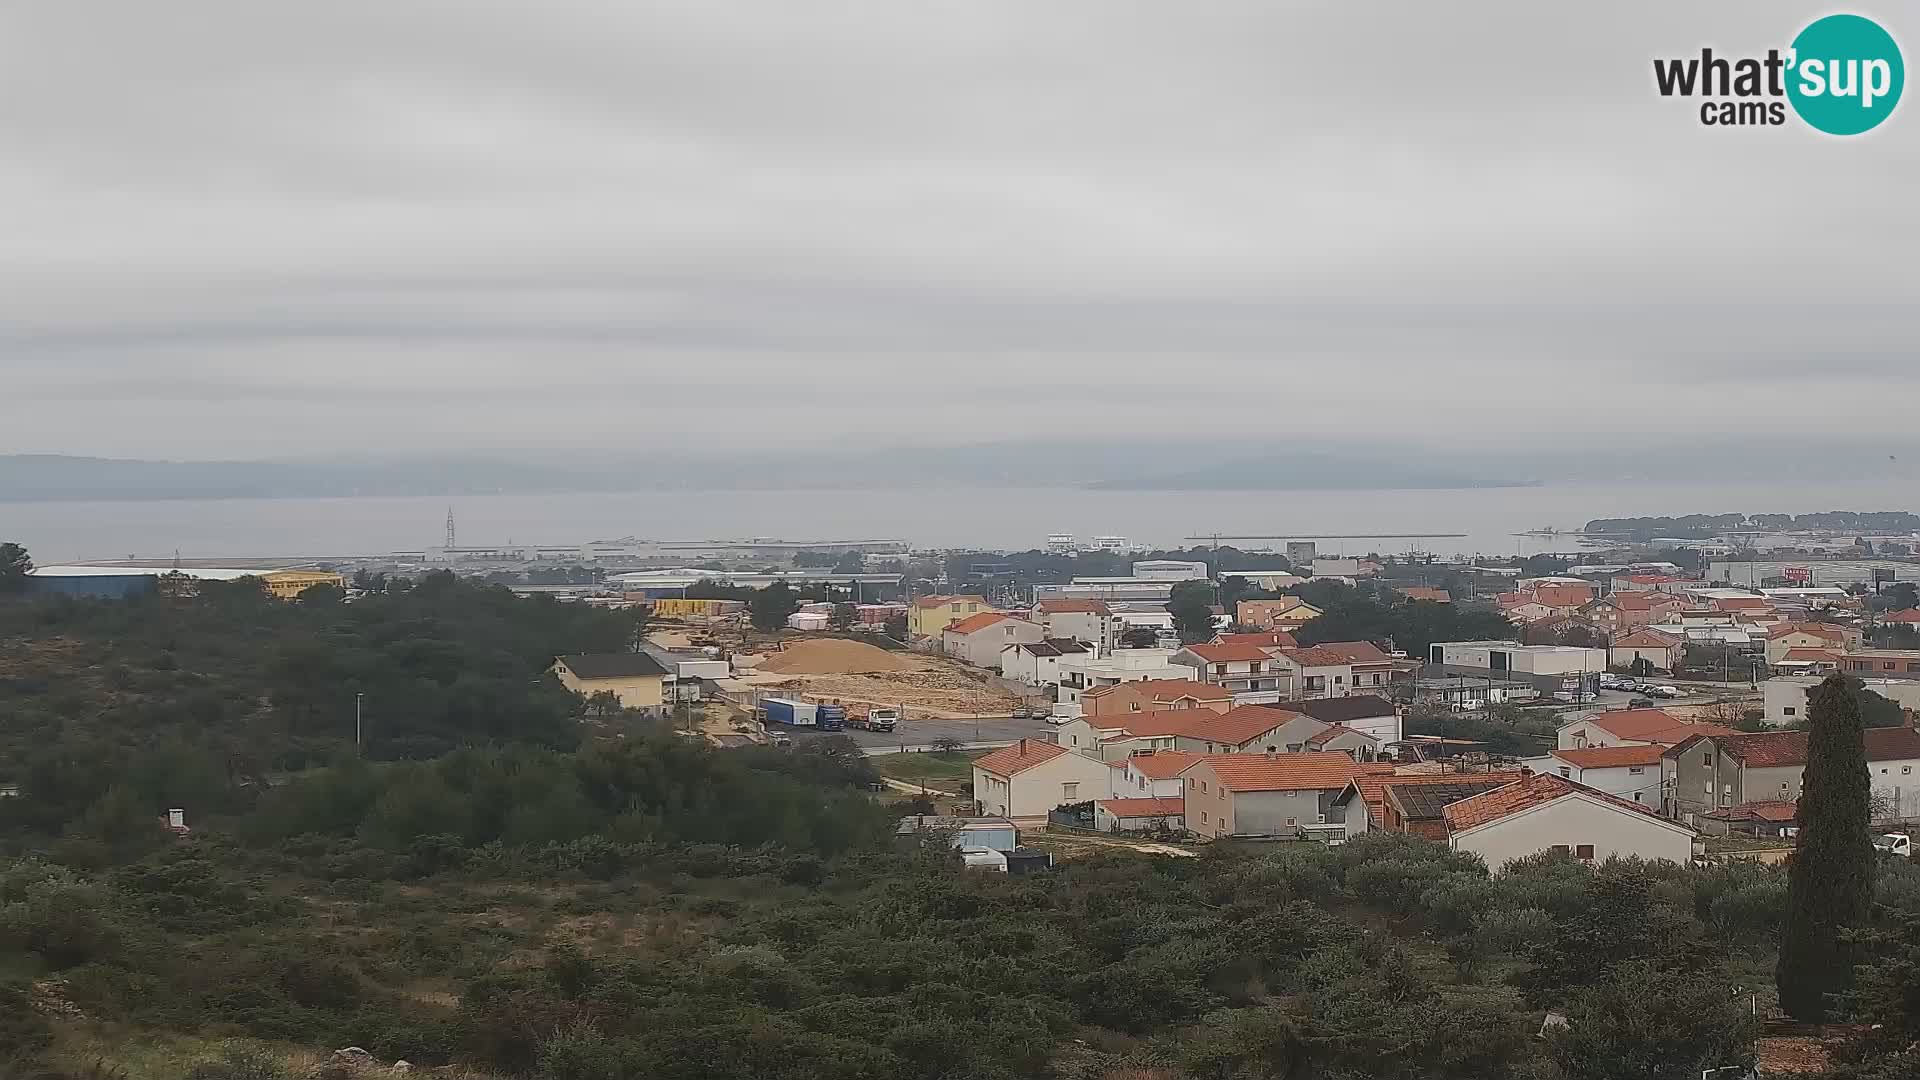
(1152, 774)
(1252, 673)
(1546, 812)
(1031, 777)
(1372, 716)
(978, 639)
(1037, 663)
(1632, 727)
(1663, 651)
(1090, 622)
(1334, 669)
(1631, 772)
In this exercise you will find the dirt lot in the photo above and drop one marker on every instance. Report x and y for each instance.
(927, 686)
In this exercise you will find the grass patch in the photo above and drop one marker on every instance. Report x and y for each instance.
(929, 768)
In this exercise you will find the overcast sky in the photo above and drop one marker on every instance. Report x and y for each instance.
(246, 229)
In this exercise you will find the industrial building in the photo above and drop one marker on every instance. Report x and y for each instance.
(115, 582)
(1551, 669)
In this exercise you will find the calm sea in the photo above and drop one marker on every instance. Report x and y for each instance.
(1014, 518)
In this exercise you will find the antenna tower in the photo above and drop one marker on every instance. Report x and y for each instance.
(450, 543)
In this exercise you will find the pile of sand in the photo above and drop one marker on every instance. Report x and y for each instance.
(833, 656)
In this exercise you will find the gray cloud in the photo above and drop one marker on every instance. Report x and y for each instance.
(235, 229)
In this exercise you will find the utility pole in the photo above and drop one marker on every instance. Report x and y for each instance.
(356, 720)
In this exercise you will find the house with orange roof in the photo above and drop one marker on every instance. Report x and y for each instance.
(1264, 794)
(929, 615)
(1624, 611)
(1808, 662)
(1287, 613)
(1250, 672)
(1030, 778)
(1338, 668)
(1265, 639)
(1661, 650)
(1904, 617)
(1152, 774)
(1426, 593)
(1090, 622)
(1631, 771)
(1562, 596)
(1547, 812)
(1881, 663)
(1640, 582)
(1365, 805)
(1139, 815)
(1154, 695)
(979, 639)
(1712, 772)
(1632, 727)
(1243, 729)
(1783, 638)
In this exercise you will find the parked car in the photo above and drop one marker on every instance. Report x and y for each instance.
(1022, 712)
(1663, 691)
(1641, 703)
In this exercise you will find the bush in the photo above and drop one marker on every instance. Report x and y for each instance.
(23, 1031)
(238, 1062)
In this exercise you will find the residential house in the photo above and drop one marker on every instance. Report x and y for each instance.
(1030, 778)
(638, 680)
(1339, 738)
(1374, 716)
(1139, 815)
(1037, 663)
(1623, 611)
(1764, 819)
(978, 639)
(1662, 583)
(1545, 812)
(1827, 637)
(1083, 675)
(1631, 771)
(1663, 651)
(929, 615)
(1152, 774)
(1244, 729)
(1418, 808)
(1808, 662)
(1422, 592)
(1249, 671)
(1632, 727)
(1265, 639)
(1785, 697)
(1562, 595)
(1521, 608)
(1363, 806)
(1340, 668)
(1718, 771)
(1883, 663)
(1263, 794)
(1904, 617)
(1287, 613)
(1154, 695)
(1090, 622)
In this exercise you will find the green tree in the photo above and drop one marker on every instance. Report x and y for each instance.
(1192, 608)
(14, 568)
(1645, 1023)
(1138, 637)
(897, 627)
(769, 607)
(1830, 883)
(842, 617)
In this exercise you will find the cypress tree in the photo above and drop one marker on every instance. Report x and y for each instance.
(1830, 883)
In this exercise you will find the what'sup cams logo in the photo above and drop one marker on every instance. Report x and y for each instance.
(1842, 75)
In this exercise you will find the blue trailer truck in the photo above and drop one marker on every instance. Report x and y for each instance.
(803, 714)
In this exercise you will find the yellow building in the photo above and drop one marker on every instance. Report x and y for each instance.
(931, 615)
(636, 679)
(289, 584)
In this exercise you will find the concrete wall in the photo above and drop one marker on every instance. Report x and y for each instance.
(1572, 821)
(635, 692)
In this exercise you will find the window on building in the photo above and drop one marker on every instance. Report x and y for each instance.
(1566, 772)
(1203, 817)
(1562, 849)
(1290, 823)
(1635, 770)
(1636, 796)
(1789, 710)
(1706, 757)
(1069, 792)
(1584, 851)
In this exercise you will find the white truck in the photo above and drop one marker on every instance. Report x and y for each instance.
(1894, 843)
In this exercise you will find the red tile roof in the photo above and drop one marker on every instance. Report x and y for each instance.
(1372, 781)
(1768, 749)
(1272, 639)
(1422, 592)
(1611, 757)
(1536, 790)
(1161, 764)
(1566, 596)
(1819, 630)
(1775, 811)
(1318, 771)
(1355, 652)
(1018, 758)
(1334, 731)
(1798, 652)
(1651, 726)
(1063, 607)
(1652, 579)
(1165, 690)
(973, 623)
(1740, 603)
(1166, 806)
(1910, 615)
(1228, 654)
(1642, 601)
(1233, 727)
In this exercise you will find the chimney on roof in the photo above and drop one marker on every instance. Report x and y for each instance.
(1271, 755)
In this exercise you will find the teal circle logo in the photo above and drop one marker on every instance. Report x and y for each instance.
(1845, 74)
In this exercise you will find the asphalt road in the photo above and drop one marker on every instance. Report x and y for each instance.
(921, 734)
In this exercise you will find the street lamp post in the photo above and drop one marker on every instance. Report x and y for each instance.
(356, 719)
